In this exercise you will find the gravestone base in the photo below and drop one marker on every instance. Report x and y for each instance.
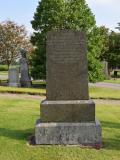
(67, 111)
(87, 134)
(14, 85)
(26, 84)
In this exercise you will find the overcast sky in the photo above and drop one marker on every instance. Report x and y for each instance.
(107, 12)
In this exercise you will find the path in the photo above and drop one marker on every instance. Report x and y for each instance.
(21, 96)
(107, 85)
(36, 97)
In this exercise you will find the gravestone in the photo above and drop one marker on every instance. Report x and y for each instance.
(67, 114)
(13, 77)
(105, 69)
(24, 69)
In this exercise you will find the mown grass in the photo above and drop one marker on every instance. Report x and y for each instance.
(95, 92)
(5, 73)
(30, 91)
(104, 93)
(17, 121)
(115, 80)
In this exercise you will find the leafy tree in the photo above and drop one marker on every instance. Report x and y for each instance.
(111, 49)
(48, 16)
(12, 38)
(65, 14)
(118, 27)
(105, 44)
(96, 46)
(114, 50)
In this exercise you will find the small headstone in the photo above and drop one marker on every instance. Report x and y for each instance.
(13, 77)
(24, 69)
(67, 114)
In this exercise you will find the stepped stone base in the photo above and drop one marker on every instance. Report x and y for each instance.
(14, 85)
(26, 83)
(67, 111)
(68, 133)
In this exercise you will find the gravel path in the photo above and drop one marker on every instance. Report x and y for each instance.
(26, 97)
(107, 85)
(22, 96)
(107, 102)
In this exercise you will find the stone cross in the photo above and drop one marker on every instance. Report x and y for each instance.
(67, 114)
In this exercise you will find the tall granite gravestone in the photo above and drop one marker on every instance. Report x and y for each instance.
(13, 77)
(67, 114)
(24, 69)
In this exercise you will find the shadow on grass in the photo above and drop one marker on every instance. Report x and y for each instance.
(110, 125)
(113, 76)
(111, 143)
(38, 84)
(16, 134)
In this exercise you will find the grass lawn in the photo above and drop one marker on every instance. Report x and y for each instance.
(95, 92)
(104, 93)
(30, 91)
(4, 73)
(17, 120)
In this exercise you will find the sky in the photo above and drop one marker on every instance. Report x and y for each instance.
(106, 12)
(20, 11)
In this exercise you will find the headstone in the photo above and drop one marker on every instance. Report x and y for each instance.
(13, 77)
(67, 114)
(24, 69)
(105, 69)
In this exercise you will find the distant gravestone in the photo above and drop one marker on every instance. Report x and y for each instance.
(13, 77)
(24, 69)
(67, 114)
(105, 69)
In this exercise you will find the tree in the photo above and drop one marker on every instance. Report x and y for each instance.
(111, 49)
(96, 46)
(12, 38)
(64, 14)
(118, 27)
(114, 50)
(49, 16)
(105, 44)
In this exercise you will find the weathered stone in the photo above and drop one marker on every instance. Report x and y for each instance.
(105, 70)
(68, 133)
(13, 76)
(25, 78)
(67, 73)
(68, 111)
(67, 114)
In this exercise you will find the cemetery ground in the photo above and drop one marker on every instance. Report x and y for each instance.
(113, 80)
(18, 113)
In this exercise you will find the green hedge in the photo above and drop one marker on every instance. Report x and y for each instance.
(3, 68)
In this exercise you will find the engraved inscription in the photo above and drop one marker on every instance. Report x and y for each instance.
(66, 66)
(65, 52)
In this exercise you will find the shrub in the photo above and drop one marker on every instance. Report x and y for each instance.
(3, 68)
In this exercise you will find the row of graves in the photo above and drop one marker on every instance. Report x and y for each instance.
(18, 75)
